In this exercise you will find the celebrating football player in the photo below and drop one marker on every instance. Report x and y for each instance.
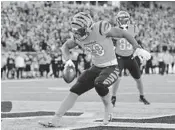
(95, 38)
(124, 53)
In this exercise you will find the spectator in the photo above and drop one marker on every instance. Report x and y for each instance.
(42, 63)
(155, 63)
(35, 68)
(161, 63)
(3, 65)
(57, 65)
(47, 64)
(60, 64)
(28, 61)
(10, 66)
(54, 63)
(19, 64)
(168, 60)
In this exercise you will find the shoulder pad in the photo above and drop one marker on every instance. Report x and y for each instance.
(104, 27)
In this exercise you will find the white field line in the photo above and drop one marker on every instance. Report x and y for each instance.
(127, 124)
(90, 123)
(35, 117)
(86, 115)
(52, 79)
(29, 80)
(170, 81)
(143, 125)
(65, 89)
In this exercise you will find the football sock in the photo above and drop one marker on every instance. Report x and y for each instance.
(107, 106)
(141, 96)
(67, 104)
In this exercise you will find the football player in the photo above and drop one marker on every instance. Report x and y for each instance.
(124, 53)
(95, 38)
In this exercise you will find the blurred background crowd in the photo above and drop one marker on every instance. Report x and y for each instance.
(33, 32)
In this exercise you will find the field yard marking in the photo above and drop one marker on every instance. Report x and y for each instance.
(29, 92)
(87, 115)
(28, 80)
(143, 125)
(170, 81)
(66, 89)
(84, 115)
(143, 117)
(124, 124)
(35, 117)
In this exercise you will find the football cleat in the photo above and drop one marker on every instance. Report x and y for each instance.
(55, 122)
(106, 122)
(46, 124)
(142, 99)
(113, 100)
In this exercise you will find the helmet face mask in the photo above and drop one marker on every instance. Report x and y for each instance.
(80, 33)
(123, 21)
(123, 18)
(81, 24)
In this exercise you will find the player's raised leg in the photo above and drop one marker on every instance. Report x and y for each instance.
(106, 78)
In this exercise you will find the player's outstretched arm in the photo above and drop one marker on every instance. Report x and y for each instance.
(106, 29)
(69, 44)
(119, 33)
(109, 31)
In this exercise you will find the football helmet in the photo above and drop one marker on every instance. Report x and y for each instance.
(123, 19)
(81, 25)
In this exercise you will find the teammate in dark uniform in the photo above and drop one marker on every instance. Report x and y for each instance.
(28, 61)
(10, 65)
(95, 38)
(124, 53)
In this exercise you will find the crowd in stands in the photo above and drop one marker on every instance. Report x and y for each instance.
(39, 28)
(17, 65)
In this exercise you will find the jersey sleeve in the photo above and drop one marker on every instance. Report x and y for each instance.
(104, 27)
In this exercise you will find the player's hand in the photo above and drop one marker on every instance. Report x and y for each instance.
(69, 63)
(142, 54)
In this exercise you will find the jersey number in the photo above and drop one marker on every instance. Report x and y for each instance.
(124, 44)
(95, 49)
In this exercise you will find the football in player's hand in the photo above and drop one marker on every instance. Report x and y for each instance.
(69, 73)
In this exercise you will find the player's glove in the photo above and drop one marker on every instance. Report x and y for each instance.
(69, 63)
(142, 54)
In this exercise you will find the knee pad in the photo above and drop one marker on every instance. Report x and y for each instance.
(101, 89)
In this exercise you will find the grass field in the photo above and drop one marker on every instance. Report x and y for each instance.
(38, 99)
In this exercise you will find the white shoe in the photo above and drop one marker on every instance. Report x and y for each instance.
(107, 119)
(53, 123)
